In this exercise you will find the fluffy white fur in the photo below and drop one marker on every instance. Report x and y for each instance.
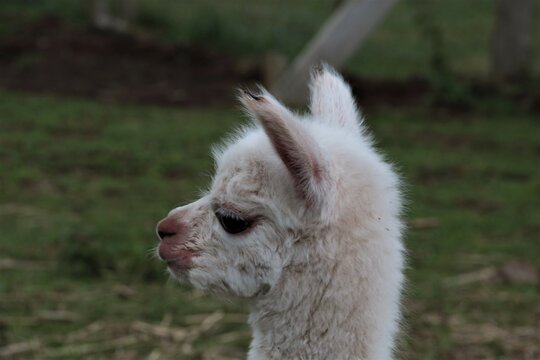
(322, 260)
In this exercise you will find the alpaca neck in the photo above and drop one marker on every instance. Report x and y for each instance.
(320, 311)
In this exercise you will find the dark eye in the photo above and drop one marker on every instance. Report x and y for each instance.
(231, 223)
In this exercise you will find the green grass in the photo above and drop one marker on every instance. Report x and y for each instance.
(83, 185)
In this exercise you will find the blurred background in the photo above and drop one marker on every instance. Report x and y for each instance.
(107, 112)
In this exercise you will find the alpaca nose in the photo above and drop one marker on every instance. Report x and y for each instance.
(167, 227)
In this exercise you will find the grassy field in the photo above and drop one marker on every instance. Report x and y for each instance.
(82, 185)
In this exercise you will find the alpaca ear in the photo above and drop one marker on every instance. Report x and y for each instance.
(294, 145)
(332, 102)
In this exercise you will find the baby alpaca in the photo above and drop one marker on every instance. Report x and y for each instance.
(303, 219)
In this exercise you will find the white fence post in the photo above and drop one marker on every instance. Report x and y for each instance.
(334, 44)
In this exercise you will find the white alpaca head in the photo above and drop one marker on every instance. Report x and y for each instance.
(280, 186)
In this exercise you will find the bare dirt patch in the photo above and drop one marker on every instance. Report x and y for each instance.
(49, 56)
(52, 57)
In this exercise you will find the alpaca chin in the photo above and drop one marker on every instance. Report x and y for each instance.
(302, 219)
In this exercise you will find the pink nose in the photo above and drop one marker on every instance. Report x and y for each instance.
(168, 227)
(172, 248)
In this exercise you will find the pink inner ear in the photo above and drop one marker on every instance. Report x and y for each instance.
(294, 145)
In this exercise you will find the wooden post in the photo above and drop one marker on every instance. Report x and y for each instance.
(334, 44)
(512, 38)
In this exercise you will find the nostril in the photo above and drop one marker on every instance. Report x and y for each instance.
(168, 227)
(163, 234)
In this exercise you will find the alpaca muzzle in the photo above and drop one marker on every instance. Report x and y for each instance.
(174, 246)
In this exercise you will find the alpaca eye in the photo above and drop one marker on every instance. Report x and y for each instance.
(232, 224)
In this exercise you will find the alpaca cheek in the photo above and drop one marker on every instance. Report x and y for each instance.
(249, 280)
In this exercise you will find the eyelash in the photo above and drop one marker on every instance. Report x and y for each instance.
(232, 223)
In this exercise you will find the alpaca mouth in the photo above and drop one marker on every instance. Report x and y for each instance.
(177, 258)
